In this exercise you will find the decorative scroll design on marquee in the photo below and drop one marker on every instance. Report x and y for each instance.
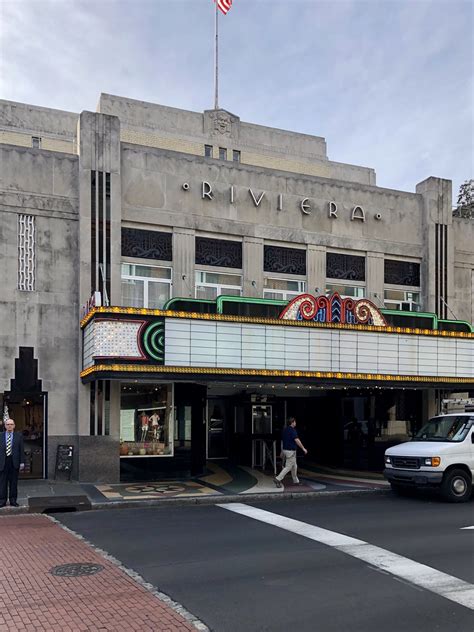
(26, 252)
(401, 272)
(153, 340)
(349, 267)
(218, 252)
(147, 244)
(286, 260)
(333, 309)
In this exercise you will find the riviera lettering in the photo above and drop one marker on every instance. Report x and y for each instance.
(305, 206)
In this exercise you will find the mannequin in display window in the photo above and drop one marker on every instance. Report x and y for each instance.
(144, 423)
(155, 425)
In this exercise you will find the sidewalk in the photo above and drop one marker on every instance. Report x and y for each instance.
(222, 482)
(91, 593)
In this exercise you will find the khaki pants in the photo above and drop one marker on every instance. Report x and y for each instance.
(290, 465)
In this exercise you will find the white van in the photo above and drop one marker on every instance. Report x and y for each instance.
(441, 455)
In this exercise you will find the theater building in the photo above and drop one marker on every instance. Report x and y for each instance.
(175, 284)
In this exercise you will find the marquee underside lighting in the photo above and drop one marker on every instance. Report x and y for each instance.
(99, 369)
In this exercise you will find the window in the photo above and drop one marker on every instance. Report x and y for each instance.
(407, 275)
(222, 153)
(147, 244)
(346, 291)
(145, 286)
(210, 285)
(283, 289)
(208, 151)
(218, 252)
(401, 272)
(402, 299)
(36, 142)
(236, 155)
(284, 260)
(344, 266)
(146, 420)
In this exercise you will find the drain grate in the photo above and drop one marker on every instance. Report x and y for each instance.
(76, 570)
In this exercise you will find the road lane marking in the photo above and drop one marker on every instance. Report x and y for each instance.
(467, 527)
(448, 586)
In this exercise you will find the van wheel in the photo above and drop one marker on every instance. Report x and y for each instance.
(456, 486)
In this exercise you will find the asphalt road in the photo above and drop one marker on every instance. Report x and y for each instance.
(238, 574)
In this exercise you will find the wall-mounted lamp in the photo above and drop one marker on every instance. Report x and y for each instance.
(254, 283)
(183, 277)
(317, 290)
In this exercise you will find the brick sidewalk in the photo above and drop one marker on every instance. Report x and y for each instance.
(33, 599)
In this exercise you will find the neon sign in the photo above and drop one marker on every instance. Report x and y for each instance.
(333, 309)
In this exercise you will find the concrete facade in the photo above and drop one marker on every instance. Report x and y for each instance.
(283, 191)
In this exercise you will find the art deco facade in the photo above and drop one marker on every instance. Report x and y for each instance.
(138, 204)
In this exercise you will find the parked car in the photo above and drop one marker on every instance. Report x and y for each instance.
(441, 456)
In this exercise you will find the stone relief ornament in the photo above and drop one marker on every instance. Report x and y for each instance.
(221, 123)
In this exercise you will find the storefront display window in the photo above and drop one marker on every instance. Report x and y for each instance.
(146, 420)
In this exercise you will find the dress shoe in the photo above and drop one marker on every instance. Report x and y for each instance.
(14, 505)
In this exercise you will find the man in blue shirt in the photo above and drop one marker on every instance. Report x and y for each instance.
(290, 443)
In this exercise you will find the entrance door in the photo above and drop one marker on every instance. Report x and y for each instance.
(217, 429)
(28, 413)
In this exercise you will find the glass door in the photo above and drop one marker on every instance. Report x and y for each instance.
(216, 429)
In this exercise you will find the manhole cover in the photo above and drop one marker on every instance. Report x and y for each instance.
(76, 570)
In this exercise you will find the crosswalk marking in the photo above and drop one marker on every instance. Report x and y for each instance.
(448, 586)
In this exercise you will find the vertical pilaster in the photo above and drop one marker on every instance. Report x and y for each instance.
(375, 278)
(184, 256)
(252, 267)
(316, 269)
(99, 157)
(438, 248)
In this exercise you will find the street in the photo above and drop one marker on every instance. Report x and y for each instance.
(238, 573)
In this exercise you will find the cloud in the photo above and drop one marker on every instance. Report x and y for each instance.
(389, 84)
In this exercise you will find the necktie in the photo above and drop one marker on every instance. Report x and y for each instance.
(9, 444)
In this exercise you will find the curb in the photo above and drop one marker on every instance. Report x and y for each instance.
(206, 500)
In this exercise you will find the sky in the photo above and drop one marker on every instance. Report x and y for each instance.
(388, 83)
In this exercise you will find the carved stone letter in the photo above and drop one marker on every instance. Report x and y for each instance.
(231, 194)
(358, 213)
(280, 202)
(206, 190)
(305, 207)
(332, 209)
(256, 200)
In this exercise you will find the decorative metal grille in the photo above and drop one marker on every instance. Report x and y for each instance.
(288, 260)
(349, 267)
(402, 273)
(147, 244)
(218, 252)
(26, 253)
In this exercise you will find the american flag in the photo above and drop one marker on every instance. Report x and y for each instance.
(224, 5)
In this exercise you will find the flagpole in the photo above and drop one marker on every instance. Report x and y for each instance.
(216, 59)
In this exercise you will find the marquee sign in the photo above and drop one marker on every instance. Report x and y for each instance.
(333, 309)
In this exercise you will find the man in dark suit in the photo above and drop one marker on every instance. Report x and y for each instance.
(11, 462)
